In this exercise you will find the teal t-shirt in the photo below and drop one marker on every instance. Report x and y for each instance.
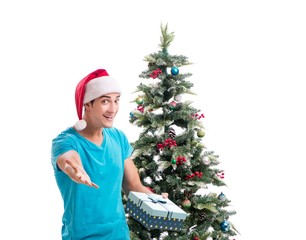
(90, 213)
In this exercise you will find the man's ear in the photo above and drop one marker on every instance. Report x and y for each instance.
(87, 105)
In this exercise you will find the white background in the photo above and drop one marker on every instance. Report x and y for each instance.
(248, 71)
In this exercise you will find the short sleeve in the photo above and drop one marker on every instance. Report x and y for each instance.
(126, 147)
(61, 144)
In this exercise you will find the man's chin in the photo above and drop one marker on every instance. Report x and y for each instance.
(109, 125)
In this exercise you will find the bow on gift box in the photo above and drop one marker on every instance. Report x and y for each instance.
(156, 199)
(162, 202)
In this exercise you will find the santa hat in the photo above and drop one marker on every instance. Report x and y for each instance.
(91, 87)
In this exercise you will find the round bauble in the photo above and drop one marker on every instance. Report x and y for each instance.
(200, 133)
(222, 197)
(225, 226)
(194, 143)
(172, 105)
(186, 203)
(206, 160)
(178, 98)
(139, 100)
(174, 71)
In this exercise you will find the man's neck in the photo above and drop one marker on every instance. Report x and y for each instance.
(93, 135)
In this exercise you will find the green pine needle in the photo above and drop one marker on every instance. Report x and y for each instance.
(166, 37)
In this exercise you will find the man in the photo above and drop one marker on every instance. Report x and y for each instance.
(92, 164)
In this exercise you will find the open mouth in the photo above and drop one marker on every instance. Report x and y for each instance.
(108, 117)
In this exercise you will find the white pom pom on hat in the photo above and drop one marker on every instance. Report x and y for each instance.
(80, 125)
(91, 87)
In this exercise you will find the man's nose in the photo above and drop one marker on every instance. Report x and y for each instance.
(112, 108)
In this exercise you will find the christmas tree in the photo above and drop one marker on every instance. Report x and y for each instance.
(170, 153)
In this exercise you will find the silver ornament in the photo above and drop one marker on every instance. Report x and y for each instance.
(178, 98)
(206, 160)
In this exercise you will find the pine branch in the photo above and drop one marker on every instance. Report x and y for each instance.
(166, 37)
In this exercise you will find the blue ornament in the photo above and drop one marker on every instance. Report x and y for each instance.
(174, 71)
(222, 197)
(225, 226)
(132, 117)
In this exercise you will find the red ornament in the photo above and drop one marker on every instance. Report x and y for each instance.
(196, 174)
(220, 175)
(196, 238)
(186, 203)
(172, 105)
(169, 142)
(198, 116)
(180, 160)
(160, 146)
(140, 108)
(155, 73)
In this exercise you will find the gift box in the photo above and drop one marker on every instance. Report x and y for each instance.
(155, 212)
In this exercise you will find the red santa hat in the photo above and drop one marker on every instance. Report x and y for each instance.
(91, 87)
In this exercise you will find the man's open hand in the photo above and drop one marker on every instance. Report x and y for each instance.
(78, 174)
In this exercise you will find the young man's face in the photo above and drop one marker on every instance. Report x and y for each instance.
(104, 109)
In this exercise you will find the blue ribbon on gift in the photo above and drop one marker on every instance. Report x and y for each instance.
(159, 201)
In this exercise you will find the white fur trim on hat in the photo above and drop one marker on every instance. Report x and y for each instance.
(100, 86)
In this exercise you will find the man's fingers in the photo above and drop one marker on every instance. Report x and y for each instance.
(79, 175)
(69, 169)
(73, 165)
(94, 185)
(89, 183)
(165, 195)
